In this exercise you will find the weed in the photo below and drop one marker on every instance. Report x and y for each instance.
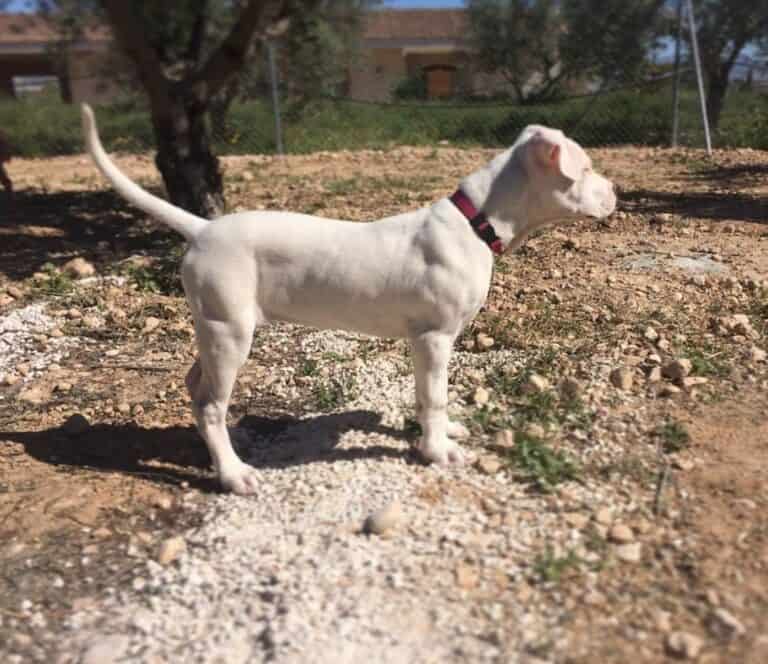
(673, 436)
(57, 282)
(552, 568)
(308, 367)
(343, 186)
(161, 277)
(335, 393)
(540, 464)
(704, 362)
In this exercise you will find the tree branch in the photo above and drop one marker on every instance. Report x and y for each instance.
(229, 57)
(130, 35)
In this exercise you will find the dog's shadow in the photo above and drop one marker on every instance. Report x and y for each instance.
(172, 455)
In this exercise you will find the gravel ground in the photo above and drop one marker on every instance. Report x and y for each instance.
(291, 576)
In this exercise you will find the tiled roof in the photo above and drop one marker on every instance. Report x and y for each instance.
(416, 24)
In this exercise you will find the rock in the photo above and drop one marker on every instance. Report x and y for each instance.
(683, 463)
(630, 553)
(726, 623)
(106, 650)
(5, 299)
(755, 354)
(622, 378)
(34, 395)
(684, 645)
(604, 516)
(677, 369)
(171, 549)
(536, 383)
(651, 334)
(570, 388)
(654, 375)
(694, 381)
(488, 464)
(467, 577)
(124, 407)
(384, 519)
(14, 292)
(576, 519)
(78, 268)
(150, 324)
(481, 396)
(668, 390)
(621, 534)
(63, 387)
(483, 341)
(76, 424)
(505, 438)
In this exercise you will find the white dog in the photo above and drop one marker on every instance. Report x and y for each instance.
(421, 275)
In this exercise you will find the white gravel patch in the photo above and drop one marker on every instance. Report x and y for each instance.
(288, 576)
(18, 344)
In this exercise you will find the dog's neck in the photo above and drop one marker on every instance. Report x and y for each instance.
(495, 191)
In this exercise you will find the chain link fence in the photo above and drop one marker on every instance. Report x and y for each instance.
(638, 112)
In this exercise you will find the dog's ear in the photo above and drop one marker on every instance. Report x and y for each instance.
(551, 152)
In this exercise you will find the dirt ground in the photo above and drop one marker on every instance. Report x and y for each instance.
(82, 503)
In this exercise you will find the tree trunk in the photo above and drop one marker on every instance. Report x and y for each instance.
(717, 88)
(184, 158)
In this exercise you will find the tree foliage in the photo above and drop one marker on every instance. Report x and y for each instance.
(725, 28)
(541, 46)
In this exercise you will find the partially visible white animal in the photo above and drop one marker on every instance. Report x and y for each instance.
(422, 275)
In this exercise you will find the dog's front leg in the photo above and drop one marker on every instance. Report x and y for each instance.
(431, 352)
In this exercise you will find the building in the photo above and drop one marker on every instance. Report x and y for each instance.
(429, 46)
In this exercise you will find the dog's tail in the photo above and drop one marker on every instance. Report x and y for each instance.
(185, 223)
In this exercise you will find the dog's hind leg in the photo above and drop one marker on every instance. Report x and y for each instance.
(224, 347)
(431, 353)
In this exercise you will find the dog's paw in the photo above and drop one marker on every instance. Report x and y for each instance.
(243, 480)
(457, 430)
(443, 453)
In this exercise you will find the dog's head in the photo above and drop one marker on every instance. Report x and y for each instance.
(557, 178)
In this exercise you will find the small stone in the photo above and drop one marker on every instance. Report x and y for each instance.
(34, 395)
(668, 390)
(63, 387)
(124, 407)
(481, 396)
(725, 622)
(683, 463)
(576, 519)
(78, 268)
(654, 375)
(755, 354)
(604, 516)
(570, 388)
(483, 341)
(684, 644)
(689, 382)
(622, 378)
(171, 549)
(5, 300)
(467, 577)
(630, 553)
(504, 438)
(76, 424)
(14, 292)
(677, 369)
(535, 384)
(112, 648)
(651, 334)
(621, 533)
(150, 324)
(488, 464)
(384, 520)
(535, 430)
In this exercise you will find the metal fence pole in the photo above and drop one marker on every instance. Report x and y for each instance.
(275, 97)
(699, 79)
(677, 76)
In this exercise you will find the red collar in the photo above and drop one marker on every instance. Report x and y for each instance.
(478, 221)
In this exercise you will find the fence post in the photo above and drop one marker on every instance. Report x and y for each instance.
(275, 97)
(677, 76)
(699, 79)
